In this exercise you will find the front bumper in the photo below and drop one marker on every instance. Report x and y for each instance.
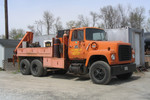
(122, 69)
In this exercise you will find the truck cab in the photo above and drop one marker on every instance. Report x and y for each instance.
(80, 51)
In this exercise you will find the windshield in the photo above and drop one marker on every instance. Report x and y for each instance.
(95, 34)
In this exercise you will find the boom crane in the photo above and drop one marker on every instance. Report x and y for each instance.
(28, 37)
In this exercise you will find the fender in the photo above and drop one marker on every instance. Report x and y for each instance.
(105, 53)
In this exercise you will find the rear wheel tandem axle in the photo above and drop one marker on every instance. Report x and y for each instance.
(35, 68)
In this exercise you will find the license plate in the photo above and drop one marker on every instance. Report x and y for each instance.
(126, 68)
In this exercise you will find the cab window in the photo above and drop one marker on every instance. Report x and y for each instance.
(77, 35)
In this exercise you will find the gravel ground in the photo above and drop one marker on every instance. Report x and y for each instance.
(14, 86)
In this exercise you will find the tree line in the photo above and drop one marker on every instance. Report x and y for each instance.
(108, 17)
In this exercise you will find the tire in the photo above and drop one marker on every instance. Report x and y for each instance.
(124, 76)
(61, 71)
(37, 69)
(100, 72)
(25, 67)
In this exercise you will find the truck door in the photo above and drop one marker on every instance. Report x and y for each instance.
(75, 47)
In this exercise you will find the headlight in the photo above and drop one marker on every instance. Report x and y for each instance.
(133, 55)
(113, 57)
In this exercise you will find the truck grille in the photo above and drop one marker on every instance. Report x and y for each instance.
(125, 52)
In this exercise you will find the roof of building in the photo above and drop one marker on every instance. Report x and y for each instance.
(9, 43)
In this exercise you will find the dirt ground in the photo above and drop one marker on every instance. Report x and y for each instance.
(15, 86)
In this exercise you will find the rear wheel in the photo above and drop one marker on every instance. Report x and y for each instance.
(124, 76)
(37, 69)
(100, 72)
(25, 67)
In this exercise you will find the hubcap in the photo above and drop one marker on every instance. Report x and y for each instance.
(99, 73)
(35, 68)
(24, 67)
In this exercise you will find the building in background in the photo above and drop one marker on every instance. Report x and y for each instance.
(6, 50)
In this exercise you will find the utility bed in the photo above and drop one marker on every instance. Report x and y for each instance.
(45, 53)
(35, 52)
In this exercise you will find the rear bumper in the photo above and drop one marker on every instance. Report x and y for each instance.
(122, 69)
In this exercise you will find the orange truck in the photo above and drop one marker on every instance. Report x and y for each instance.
(80, 51)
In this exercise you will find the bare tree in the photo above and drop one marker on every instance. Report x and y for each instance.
(48, 20)
(32, 29)
(110, 17)
(123, 13)
(137, 17)
(147, 26)
(16, 33)
(58, 24)
(51, 24)
(95, 18)
(82, 21)
(39, 27)
(71, 24)
(79, 24)
(100, 25)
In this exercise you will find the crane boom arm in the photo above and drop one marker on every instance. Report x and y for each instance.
(27, 37)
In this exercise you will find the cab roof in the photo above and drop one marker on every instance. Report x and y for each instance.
(86, 28)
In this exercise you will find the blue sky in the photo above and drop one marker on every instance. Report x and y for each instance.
(24, 12)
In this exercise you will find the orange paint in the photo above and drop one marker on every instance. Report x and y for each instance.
(85, 49)
(54, 62)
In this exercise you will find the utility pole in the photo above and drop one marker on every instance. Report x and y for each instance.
(6, 20)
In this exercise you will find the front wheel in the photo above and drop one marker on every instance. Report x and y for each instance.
(124, 76)
(100, 72)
